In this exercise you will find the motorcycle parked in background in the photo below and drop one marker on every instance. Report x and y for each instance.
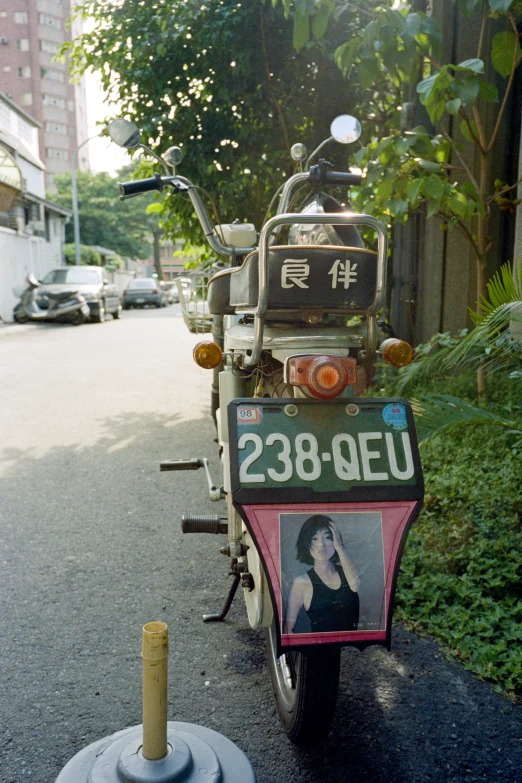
(66, 306)
(322, 485)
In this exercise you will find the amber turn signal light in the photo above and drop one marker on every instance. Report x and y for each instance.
(396, 352)
(207, 355)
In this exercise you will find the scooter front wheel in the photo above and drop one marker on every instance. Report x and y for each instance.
(305, 686)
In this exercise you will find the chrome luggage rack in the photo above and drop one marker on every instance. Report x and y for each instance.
(193, 293)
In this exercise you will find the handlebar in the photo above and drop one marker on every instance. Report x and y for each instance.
(342, 178)
(141, 186)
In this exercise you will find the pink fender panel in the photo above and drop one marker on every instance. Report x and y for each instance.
(372, 538)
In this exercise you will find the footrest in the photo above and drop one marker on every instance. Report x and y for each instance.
(195, 523)
(181, 464)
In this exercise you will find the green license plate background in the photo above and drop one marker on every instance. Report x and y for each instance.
(324, 420)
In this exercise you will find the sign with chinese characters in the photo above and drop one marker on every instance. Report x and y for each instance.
(309, 276)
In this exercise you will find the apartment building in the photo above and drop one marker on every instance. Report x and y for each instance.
(30, 33)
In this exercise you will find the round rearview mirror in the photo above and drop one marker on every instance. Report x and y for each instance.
(124, 133)
(173, 156)
(345, 129)
(298, 152)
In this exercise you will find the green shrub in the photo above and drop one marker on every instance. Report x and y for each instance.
(88, 255)
(460, 577)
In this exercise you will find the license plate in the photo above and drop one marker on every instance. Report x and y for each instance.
(140, 301)
(296, 450)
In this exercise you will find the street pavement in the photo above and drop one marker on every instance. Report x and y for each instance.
(91, 550)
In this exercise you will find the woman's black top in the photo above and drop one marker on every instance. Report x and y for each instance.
(333, 610)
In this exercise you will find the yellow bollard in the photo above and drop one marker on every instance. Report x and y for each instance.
(155, 651)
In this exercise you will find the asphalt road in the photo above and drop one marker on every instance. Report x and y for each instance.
(91, 549)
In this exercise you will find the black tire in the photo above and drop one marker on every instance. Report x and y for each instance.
(99, 318)
(305, 685)
(78, 318)
(117, 313)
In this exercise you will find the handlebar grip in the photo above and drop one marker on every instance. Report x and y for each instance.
(342, 178)
(141, 186)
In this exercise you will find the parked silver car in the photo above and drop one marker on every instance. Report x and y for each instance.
(95, 283)
(144, 291)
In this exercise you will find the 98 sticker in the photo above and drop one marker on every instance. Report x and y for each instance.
(248, 414)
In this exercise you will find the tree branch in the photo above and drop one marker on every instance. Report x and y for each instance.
(516, 61)
(504, 190)
(482, 30)
(460, 157)
(465, 117)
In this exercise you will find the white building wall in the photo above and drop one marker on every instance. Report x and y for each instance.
(20, 255)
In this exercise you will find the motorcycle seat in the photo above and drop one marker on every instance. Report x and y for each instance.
(334, 278)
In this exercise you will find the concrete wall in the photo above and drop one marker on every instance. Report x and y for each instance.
(19, 255)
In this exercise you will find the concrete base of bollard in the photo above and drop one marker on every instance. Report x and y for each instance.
(195, 754)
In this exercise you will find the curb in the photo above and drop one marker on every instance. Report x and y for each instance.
(6, 329)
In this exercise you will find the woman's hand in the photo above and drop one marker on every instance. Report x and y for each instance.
(337, 538)
(349, 571)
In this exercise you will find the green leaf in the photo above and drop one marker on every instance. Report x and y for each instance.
(385, 189)
(468, 6)
(466, 132)
(322, 17)
(504, 50)
(466, 89)
(431, 28)
(412, 27)
(368, 72)
(454, 105)
(488, 92)
(344, 55)
(458, 204)
(429, 165)
(426, 85)
(434, 187)
(414, 188)
(301, 30)
(398, 207)
(500, 5)
(474, 64)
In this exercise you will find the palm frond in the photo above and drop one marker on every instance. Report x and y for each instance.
(437, 413)
(491, 338)
(504, 287)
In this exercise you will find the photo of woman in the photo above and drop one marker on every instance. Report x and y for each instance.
(332, 572)
(328, 590)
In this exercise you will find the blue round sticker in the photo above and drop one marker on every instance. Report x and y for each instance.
(394, 415)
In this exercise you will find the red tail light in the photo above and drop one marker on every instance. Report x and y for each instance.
(154, 291)
(324, 376)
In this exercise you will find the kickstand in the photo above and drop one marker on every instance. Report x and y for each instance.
(210, 618)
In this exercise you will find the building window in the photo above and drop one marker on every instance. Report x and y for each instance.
(52, 100)
(54, 76)
(56, 127)
(20, 17)
(22, 44)
(47, 46)
(26, 99)
(24, 71)
(70, 105)
(50, 21)
(57, 154)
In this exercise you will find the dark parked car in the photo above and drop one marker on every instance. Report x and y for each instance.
(95, 283)
(144, 291)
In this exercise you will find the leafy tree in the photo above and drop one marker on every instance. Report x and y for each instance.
(221, 79)
(430, 165)
(122, 226)
(407, 168)
(88, 255)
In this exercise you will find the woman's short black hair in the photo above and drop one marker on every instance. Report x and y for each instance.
(304, 540)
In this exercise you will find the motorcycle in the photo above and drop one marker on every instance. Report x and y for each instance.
(61, 306)
(322, 485)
